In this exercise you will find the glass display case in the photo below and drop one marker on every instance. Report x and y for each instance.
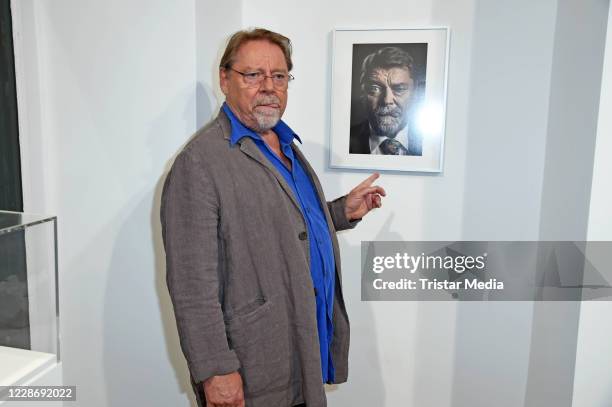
(29, 308)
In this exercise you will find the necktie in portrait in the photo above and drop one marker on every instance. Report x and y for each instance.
(392, 147)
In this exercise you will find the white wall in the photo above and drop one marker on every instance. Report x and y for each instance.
(568, 166)
(508, 104)
(593, 380)
(600, 221)
(214, 23)
(508, 118)
(110, 96)
(572, 118)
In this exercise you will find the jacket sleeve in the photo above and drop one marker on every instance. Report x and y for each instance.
(189, 218)
(336, 210)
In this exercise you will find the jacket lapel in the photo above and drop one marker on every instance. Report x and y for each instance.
(248, 147)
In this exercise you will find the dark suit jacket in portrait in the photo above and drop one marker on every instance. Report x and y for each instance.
(360, 140)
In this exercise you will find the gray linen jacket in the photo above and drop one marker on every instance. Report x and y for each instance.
(238, 271)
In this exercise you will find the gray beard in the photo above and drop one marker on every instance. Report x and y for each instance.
(385, 123)
(265, 121)
(388, 126)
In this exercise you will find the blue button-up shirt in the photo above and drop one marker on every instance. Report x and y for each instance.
(322, 265)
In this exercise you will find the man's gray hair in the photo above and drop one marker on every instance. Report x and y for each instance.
(387, 57)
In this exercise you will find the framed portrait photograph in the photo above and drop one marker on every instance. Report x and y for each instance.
(388, 103)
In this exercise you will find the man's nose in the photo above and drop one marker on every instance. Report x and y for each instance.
(388, 97)
(267, 83)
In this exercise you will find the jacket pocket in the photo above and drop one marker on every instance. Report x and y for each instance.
(247, 309)
(261, 338)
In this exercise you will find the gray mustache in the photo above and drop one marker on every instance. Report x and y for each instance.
(266, 100)
(388, 111)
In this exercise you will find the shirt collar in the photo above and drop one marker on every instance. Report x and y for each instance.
(239, 130)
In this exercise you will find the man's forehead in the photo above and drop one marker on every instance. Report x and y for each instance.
(393, 74)
(261, 52)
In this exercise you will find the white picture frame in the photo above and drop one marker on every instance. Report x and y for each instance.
(357, 111)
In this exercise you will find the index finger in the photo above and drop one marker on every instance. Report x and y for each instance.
(368, 181)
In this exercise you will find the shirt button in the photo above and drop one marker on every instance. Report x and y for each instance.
(303, 235)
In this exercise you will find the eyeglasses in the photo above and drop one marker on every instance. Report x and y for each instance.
(253, 79)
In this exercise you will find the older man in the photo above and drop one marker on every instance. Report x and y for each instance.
(253, 267)
(387, 83)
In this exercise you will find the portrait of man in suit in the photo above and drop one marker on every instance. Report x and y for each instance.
(387, 82)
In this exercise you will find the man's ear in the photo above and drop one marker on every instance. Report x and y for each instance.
(223, 80)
